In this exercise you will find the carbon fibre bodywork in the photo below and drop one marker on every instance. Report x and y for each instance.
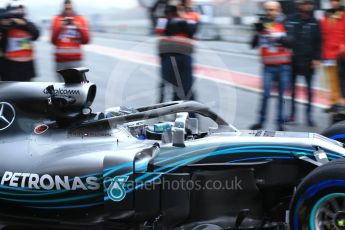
(62, 168)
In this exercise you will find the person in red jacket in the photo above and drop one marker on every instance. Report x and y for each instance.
(333, 34)
(18, 50)
(190, 14)
(69, 32)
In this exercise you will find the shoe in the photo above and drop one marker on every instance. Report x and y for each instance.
(280, 127)
(256, 127)
(340, 109)
(332, 109)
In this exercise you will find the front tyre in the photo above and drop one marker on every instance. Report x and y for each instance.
(336, 132)
(319, 202)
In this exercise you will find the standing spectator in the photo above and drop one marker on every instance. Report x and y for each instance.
(306, 52)
(69, 32)
(176, 48)
(190, 14)
(157, 11)
(274, 40)
(333, 41)
(192, 17)
(2, 66)
(18, 35)
(341, 74)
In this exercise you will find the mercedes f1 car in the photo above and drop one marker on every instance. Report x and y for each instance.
(64, 166)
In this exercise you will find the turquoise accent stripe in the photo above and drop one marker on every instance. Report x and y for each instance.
(32, 194)
(262, 158)
(273, 149)
(219, 153)
(117, 168)
(229, 150)
(170, 167)
(239, 148)
(111, 170)
(69, 206)
(173, 169)
(177, 165)
(77, 198)
(22, 189)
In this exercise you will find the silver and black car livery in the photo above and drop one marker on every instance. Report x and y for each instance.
(63, 166)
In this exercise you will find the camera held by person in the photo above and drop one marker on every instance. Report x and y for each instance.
(68, 21)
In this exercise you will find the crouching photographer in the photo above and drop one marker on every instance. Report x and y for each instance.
(17, 35)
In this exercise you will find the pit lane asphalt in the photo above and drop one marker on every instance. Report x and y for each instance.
(130, 81)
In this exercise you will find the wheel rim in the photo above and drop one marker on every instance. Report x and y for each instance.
(329, 213)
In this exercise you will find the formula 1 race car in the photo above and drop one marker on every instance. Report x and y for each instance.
(65, 167)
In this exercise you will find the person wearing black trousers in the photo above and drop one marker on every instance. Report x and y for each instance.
(2, 61)
(157, 11)
(306, 53)
(176, 47)
(18, 36)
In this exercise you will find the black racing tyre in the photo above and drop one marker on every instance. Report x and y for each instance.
(336, 132)
(319, 202)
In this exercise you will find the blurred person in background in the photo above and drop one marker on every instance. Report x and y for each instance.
(176, 47)
(341, 74)
(306, 52)
(193, 18)
(18, 33)
(191, 15)
(157, 11)
(333, 43)
(2, 66)
(275, 41)
(69, 32)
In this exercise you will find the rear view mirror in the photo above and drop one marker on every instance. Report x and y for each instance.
(178, 137)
